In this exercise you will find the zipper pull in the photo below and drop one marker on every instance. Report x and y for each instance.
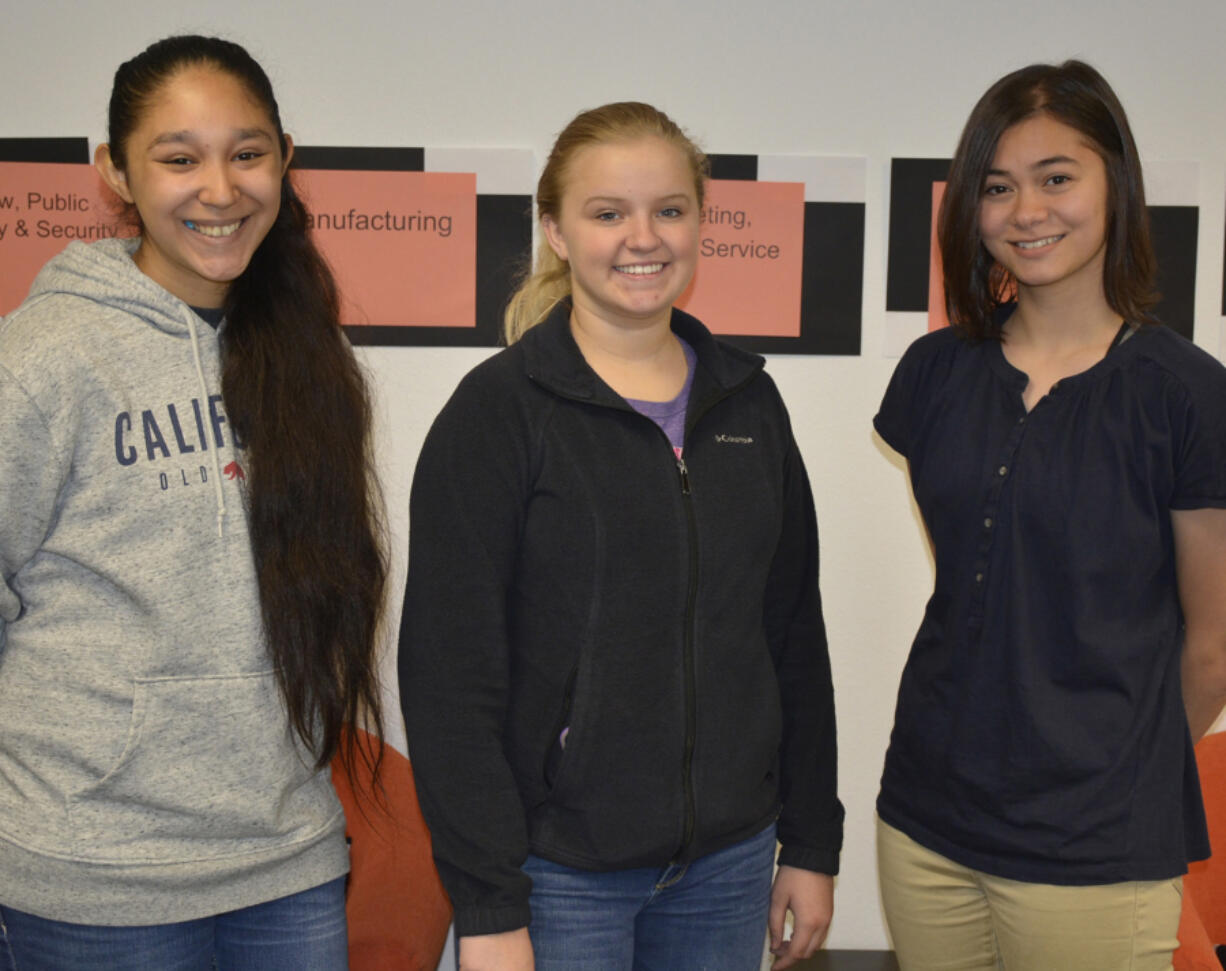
(685, 476)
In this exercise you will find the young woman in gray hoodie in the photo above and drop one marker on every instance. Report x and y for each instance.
(191, 569)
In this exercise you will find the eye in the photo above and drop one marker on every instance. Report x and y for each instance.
(179, 160)
(1059, 179)
(995, 189)
(671, 212)
(249, 155)
(606, 216)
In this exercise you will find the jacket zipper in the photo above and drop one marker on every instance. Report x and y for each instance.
(691, 716)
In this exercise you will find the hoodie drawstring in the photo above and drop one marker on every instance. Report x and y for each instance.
(190, 316)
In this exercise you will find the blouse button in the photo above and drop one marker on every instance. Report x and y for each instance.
(979, 578)
(1003, 470)
(987, 523)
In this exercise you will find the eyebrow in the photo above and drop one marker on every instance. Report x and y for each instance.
(668, 198)
(186, 135)
(1042, 164)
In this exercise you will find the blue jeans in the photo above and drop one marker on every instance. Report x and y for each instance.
(302, 932)
(709, 914)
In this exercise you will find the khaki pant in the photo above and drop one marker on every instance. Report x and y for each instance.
(946, 916)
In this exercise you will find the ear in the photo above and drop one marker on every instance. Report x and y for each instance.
(553, 236)
(112, 175)
(289, 152)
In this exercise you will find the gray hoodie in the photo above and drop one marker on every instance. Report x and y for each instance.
(147, 773)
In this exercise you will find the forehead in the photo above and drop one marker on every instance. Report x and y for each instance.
(635, 166)
(202, 96)
(1042, 136)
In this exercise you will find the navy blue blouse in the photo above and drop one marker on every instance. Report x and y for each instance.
(1040, 733)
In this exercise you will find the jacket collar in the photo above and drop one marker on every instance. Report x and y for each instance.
(553, 359)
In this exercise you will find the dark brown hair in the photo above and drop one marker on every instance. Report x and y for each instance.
(1076, 95)
(296, 397)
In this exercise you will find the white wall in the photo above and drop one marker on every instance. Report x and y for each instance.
(875, 78)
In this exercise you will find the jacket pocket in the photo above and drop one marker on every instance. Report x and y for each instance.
(209, 769)
(557, 741)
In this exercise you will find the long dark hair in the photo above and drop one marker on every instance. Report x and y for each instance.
(295, 395)
(1076, 95)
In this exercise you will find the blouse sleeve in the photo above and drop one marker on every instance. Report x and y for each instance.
(892, 420)
(930, 366)
(1199, 421)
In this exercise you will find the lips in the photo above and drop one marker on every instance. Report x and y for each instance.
(214, 231)
(1038, 243)
(640, 269)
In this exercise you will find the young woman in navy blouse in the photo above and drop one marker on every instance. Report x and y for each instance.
(1068, 455)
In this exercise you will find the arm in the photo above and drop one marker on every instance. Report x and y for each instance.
(509, 951)
(467, 504)
(810, 898)
(1200, 567)
(811, 818)
(32, 471)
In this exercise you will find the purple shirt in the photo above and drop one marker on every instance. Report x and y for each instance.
(670, 415)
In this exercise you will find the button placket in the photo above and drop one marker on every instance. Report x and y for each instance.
(989, 512)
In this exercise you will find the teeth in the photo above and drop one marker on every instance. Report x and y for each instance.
(641, 269)
(213, 230)
(1036, 243)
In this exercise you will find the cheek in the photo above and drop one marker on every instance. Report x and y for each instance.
(268, 191)
(147, 196)
(1096, 214)
(686, 239)
(984, 223)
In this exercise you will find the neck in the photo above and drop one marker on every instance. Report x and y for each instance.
(1056, 320)
(644, 362)
(637, 344)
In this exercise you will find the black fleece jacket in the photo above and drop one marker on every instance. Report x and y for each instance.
(567, 571)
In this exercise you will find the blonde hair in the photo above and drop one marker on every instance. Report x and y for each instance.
(623, 121)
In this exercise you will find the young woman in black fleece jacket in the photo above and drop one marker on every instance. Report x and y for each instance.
(613, 663)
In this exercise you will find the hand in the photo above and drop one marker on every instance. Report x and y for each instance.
(509, 951)
(810, 898)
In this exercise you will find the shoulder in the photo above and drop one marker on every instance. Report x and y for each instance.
(731, 365)
(45, 344)
(938, 359)
(487, 391)
(1167, 374)
(1182, 391)
(496, 409)
(935, 366)
(75, 303)
(945, 347)
(45, 320)
(1181, 361)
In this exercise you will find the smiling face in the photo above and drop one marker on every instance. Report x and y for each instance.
(628, 227)
(1043, 213)
(203, 168)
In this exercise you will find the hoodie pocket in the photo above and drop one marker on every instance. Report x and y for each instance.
(209, 769)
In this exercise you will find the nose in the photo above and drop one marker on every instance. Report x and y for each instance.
(1030, 207)
(642, 233)
(217, 188)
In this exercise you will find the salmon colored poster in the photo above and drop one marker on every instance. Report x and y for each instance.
(403, 245)
(750, 259)
(936, 274)
(44, 206)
